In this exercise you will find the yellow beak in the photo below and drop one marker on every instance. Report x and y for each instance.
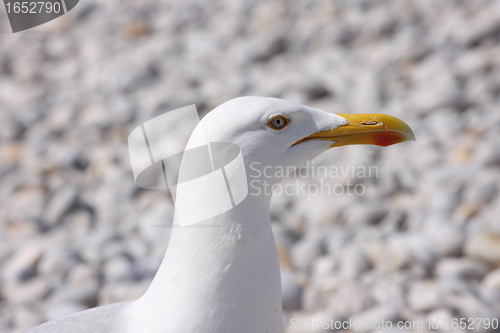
(365, 129)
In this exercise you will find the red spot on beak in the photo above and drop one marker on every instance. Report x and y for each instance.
(385, 139)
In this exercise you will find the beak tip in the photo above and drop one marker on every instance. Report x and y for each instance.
(411, 135)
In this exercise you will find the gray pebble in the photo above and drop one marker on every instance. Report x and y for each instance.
(59, 204)
(292, 292)
(306, 250)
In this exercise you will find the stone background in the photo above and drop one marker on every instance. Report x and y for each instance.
(423, 241)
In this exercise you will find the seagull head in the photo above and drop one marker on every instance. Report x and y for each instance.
(275, 132)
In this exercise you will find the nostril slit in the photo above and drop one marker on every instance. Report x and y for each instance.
(370, 123)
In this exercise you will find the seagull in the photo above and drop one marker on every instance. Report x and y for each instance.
(222, 275)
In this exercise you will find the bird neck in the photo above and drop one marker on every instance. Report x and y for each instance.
(220, 275)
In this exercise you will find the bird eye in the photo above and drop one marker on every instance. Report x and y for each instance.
(278, 122)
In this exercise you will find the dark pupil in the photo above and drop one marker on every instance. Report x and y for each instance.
(278, 122)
